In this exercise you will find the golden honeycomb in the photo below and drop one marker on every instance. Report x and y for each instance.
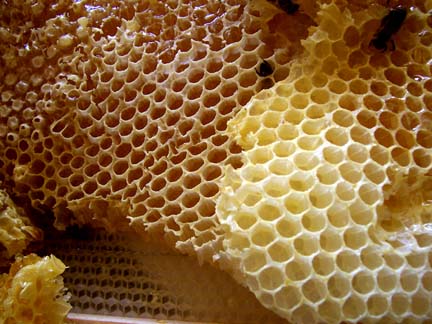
(137, 114)
(16, 229)
(329, 217)
(33, 291)
(114, 111)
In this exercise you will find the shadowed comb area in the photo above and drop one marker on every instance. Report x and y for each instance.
(118, 275)
(329, 217)
(114, 111)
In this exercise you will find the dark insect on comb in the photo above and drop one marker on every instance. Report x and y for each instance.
(390, 24)
(288, 6)
(264, 69)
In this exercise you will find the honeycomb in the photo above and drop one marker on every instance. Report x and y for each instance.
(316, 196)
(16, 229)
(329, 217)
(33, 291)
(113, 112)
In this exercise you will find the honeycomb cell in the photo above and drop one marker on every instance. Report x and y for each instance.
(400, 303)
(314, 112)
(209, 190)
(303, 85)
(360, 212)
(396, 105)
(309, 143)
(350, 172)
(269, 212)
(357, 153)
(377, 305)
(338, 215)
(293, 117)
(276, 187)
(296, 203)
(401, 156)
(371, 258)
(320, 80)
(271, 119)
(266, 136)
(288, 297)
(410, 120)
(254, 261)
(379, 155)
(297, 270)
(348, 102)
(409, 281)
(313, 221)
(312, 127)
(372, 102)
(405, 139)
(300, 181)
(427, 281)
(345, 192)
(239, 242)
(332, 154)
(379, 88)
(337, 86)
(323, 264)
(374, 173)
(367, 118)
(338, 286)
(424, 138)
(258, 157)
(305, 245)
(327, 174)
(355, 238)
(360, 135)
(386, 280)
(330, 241)
(330, 310)
(343, 118)
(304, 312)
(395, 76)
(347, 261)
(320, 196)
(283, 149)
(314, 290)
(281, 167)
(358, 87)
(299, 102)
(416, 259)
(330, 65)
(262, 235)
(287, 227)
(354, 307)
(270, 278)
(369, 194)
(337, 136)
(394, 260)
(363, 282)
(389, 120)
(280, 252)
(278, 104)
(319, 96)
(420, 304)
